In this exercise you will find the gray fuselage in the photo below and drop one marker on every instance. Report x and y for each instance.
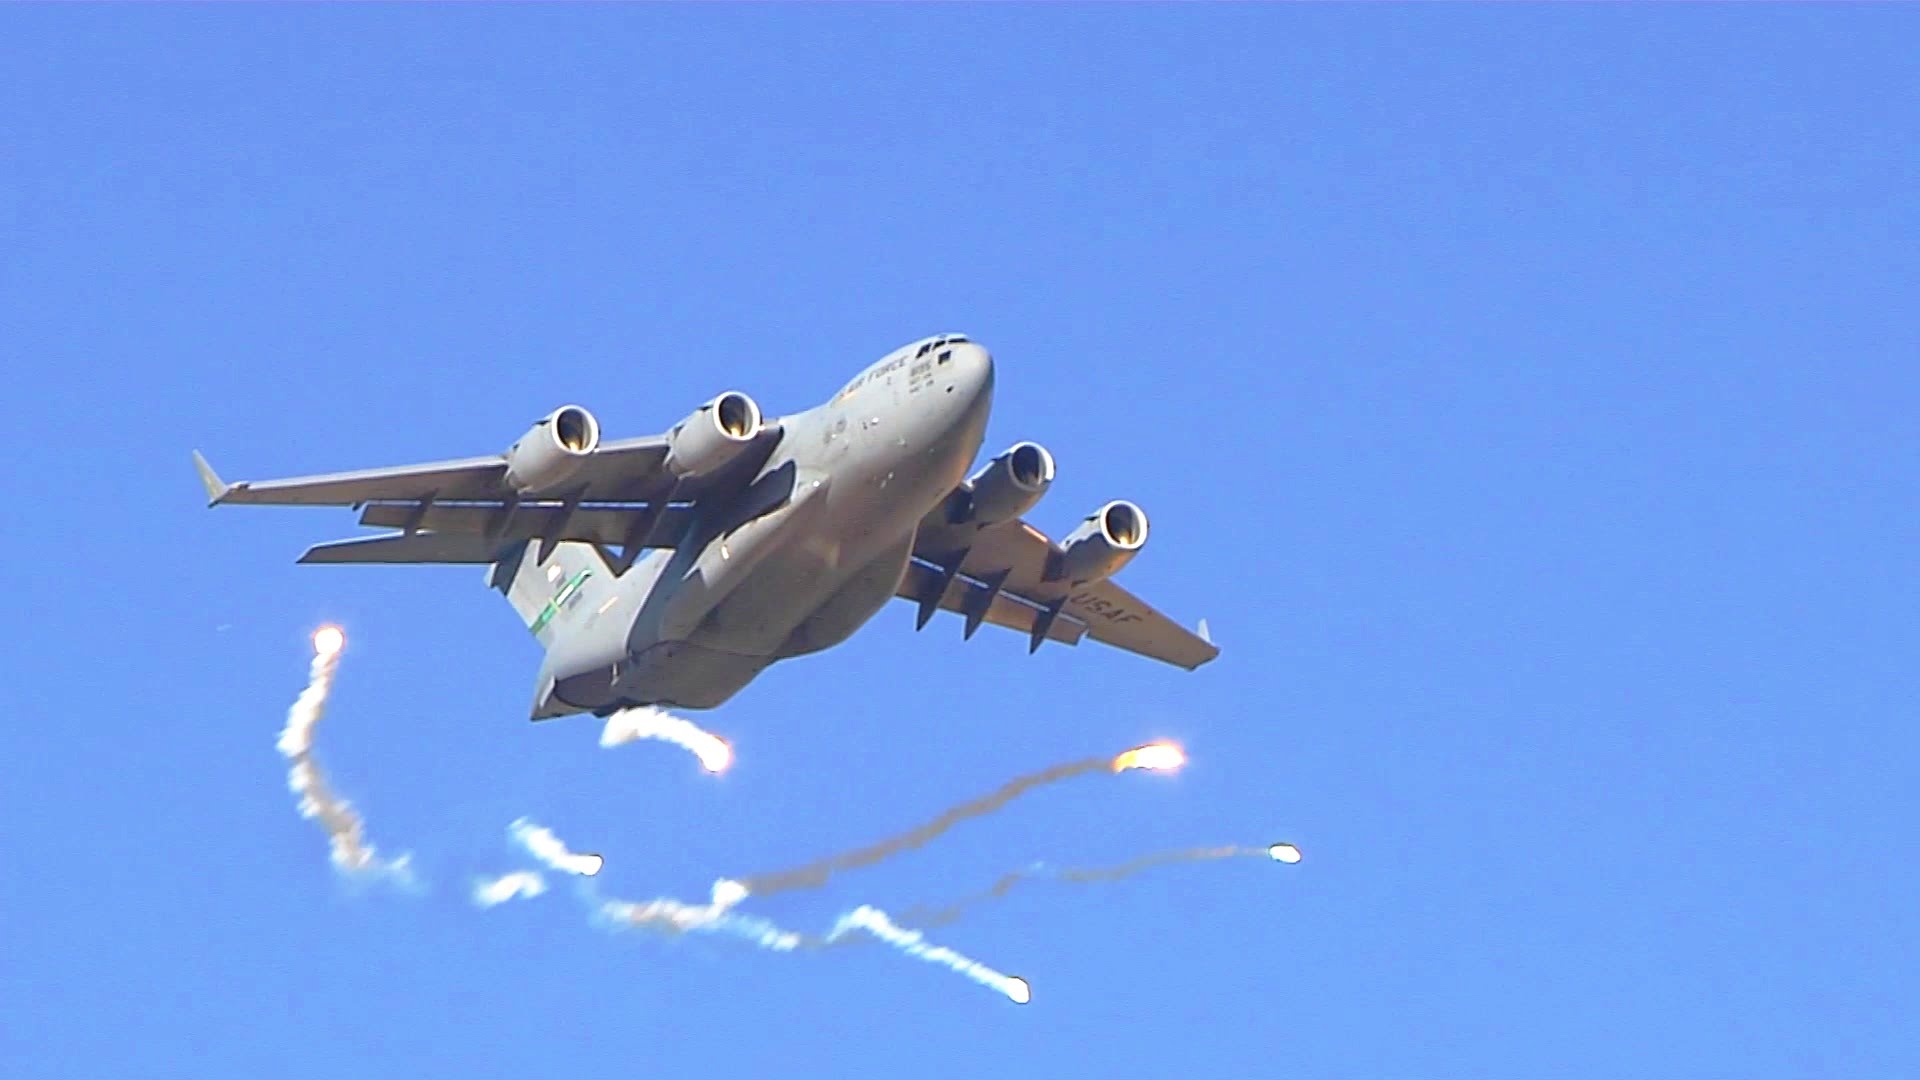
(812, 549)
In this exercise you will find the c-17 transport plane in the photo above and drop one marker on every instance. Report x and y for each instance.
(671, 569)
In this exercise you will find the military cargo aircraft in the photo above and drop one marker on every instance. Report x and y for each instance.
(671, 569)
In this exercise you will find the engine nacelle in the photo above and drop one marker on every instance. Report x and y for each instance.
(1009, 485)
(1103, 543)
(713, 435)
(553, 450)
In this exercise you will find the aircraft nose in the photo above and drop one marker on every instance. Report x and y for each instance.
(976, 368)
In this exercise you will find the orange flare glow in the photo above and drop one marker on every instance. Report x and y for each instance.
(1160, 757)
(714, 753)
(329, 640)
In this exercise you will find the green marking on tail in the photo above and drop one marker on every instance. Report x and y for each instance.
(553, 606)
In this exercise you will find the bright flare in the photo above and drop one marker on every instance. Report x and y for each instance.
(1285, 853)
(329, 640)
(1018, 990)
(1159, 757)
(714, 754)
(728, 893)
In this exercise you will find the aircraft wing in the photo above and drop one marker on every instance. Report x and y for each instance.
(998, 574)
(464, 510)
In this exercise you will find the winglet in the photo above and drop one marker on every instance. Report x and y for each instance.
(1206, 634)
(216, 488)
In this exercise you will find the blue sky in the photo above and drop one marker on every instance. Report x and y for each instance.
(1525, 395)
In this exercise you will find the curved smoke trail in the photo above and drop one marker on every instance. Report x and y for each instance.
(675, 917)
(488, 892)
(543, 845)
(346, 832)
(948, 913)
(647, 722)
(1155, 756)
(914, 944)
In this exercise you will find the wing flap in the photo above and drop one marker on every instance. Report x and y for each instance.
(1017, 554)
(964, 596)
(611, 526)
(418, 547)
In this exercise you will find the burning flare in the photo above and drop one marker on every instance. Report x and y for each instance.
(329, 639)
(647, 722)
(1159, 757)
(349, 851)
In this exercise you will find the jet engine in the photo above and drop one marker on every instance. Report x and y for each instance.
(1109, 538)
(712, 436)
(1010, 484)
(553, 450)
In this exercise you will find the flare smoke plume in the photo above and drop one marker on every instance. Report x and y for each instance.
(1154, 756)
(647, 722)
(676, 917)
(914, 944)
(490, 891)
(948, 913)
(346, 832)
(351, 854)
(542, 844)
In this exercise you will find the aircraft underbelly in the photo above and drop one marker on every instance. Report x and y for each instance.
(842, 578)
(816, 572)
(830, 574)
(857, 600)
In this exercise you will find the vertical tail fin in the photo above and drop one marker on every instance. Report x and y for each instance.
(542, 592)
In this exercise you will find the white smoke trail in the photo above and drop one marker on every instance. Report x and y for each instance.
(542, 844)
(1155, 757)
(349, 850)
(648, 722)
(676, 917)
(914, 944)
(951, 912)
(488, 892)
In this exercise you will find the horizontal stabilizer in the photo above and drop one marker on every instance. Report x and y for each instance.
(420, 547)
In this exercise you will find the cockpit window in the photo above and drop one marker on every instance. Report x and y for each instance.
(923, 350)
